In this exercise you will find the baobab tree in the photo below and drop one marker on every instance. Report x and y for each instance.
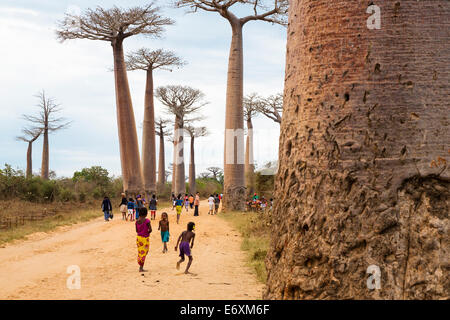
(29, 135)
(251, 103)
(194, 133)
(272, 107)
(148, 61)
(114, 25)
(161, 126)
(215, 171)
(182, 102)
(273, 11)
(362, 193)
(46, 123)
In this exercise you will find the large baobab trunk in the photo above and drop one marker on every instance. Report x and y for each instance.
(234, 180)
(192, 186)
(29, 160)
(180, 185)
(148, 138)
(249, 165)
(45, 156)
(364, 147)
(162, 161)
(174, 168)
(129, 150)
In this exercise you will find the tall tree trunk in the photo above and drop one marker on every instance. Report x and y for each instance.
(148, 139)
(180, 183)
(249, 164)
(128, 141)
(234, 178)
(192, 186)
(174, 168)
(45, 156)
(29, 160)
(161, 164)
(363, 178)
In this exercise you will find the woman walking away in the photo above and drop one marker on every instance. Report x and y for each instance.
(106, 208)
(152, 207)
(196, 204)
(174, 200)
(216, 203)
(123, 206)
(130, 208)
(164, 227)
(191, 201)
(211, 204)
(179, 207)
(186, 202)
(143, 230)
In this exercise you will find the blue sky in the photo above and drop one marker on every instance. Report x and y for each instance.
(76, 74)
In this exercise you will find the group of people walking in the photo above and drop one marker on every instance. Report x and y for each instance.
(135, 209)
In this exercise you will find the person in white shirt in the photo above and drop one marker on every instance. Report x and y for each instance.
(211, 204)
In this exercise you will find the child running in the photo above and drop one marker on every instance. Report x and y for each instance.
(143, 230)
(178, 207)
(186, 237)
(164, 227)
(152, 207)
(130, 208)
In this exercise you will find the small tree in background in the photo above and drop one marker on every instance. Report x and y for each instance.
(272, 107)
(181, 101)
(29, 135)
(162, 132)
(194, 133)
(46, 123)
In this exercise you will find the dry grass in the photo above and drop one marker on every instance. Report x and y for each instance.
(256, 239)
(48, 224)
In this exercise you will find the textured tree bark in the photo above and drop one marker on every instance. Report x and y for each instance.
(180, 185)
(129, 149)
(192, 186)
(29, 160)
(45, 157)
(162, 161)
(148, 138)
(364, 146)
(234, 178)
(249, 165)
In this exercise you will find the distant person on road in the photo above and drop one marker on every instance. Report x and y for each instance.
(164, 228)
(191, 201)
(216, 203)
(106, 207)
(196, 204)
(130, 208)
(152, 207)
(211, 204)
(186, 237)
(179, 207)
(186, 202)
(174, 200)
(143, 230)
(123, 206)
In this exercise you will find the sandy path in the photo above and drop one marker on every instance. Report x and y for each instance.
(106, 254)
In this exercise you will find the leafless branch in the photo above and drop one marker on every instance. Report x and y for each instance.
(113, 24)
(181, 101)
(145, 59)
(272, 107)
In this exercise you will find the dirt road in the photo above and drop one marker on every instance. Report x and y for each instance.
(106, 255)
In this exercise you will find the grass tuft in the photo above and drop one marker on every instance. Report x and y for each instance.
(255, 233)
